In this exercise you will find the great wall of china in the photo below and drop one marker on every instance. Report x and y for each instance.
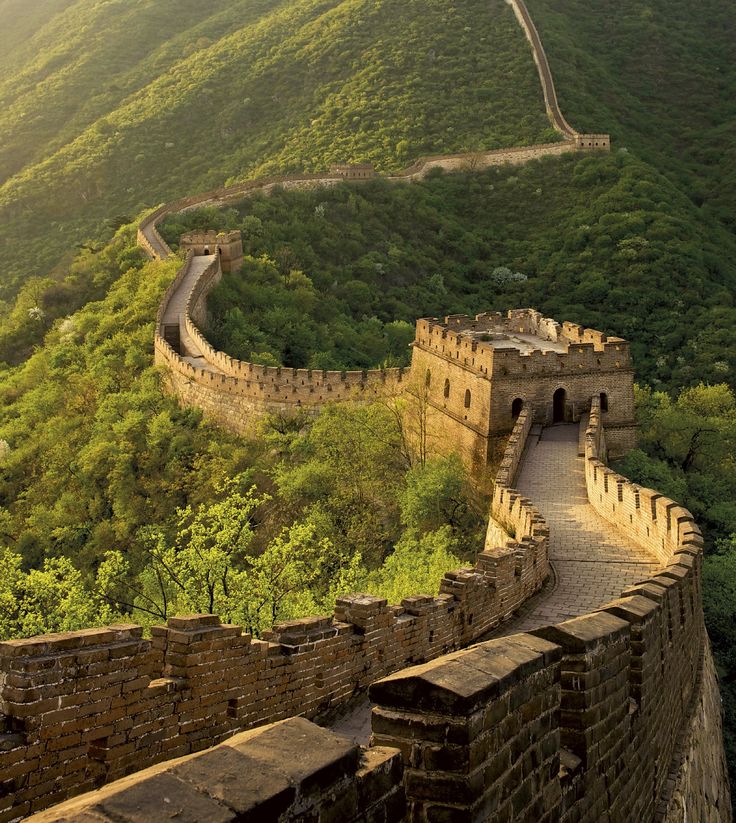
(595, 699)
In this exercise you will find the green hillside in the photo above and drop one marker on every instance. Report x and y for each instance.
(660, 77)
(603, 240)
(96, 464)
(195, 94)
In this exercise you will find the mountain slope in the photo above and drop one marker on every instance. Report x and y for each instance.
(660, 77)
(198, 97)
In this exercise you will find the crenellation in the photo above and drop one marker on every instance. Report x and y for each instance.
(99, 704)
(576, 723)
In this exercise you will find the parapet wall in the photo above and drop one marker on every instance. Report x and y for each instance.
(287, 771)
(653, 521)
(609, 716)
(612, 715)
(85, 708)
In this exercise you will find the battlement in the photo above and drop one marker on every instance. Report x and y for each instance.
(353, 171)
(599, 707)
(82, 709)
(522, 341)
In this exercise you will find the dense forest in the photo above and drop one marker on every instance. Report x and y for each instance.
(336, 277)
(114, 501)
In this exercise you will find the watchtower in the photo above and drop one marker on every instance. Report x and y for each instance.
(229, 245)
(596, 142)
(353, 171)
(479, 372)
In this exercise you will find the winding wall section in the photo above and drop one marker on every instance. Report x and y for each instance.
(609, 716)
(82, 709)
(234, 393)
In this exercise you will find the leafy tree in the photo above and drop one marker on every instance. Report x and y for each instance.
(416, 565)
(434, 495)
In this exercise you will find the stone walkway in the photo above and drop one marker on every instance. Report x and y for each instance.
(593, 562)
(174, 313)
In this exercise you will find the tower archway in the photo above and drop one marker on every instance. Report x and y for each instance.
(558, 406)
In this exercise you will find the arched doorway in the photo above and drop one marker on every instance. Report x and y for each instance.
(604, 402)
(206, 250)
(558, 406)
(516, 407)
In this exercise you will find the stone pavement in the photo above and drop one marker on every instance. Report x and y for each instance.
(592, 561)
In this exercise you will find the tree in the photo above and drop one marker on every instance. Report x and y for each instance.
(416, 566)
(50, 599)
(434, 494)
(198, 571)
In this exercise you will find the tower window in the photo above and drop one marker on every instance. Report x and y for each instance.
(467, 398)
(447, 388)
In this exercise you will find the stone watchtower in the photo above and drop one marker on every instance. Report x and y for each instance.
(229, 245)
(479, 372)
(353, 171)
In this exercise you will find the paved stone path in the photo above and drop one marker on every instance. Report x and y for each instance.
(592, 560)
(178, 300)
(176, 307)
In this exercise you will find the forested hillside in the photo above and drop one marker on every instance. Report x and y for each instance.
(660, 77)
(195, 94)
(105, 482)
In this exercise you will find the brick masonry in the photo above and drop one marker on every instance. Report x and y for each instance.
(83, 709)
(610, 715)
(289, 771)
(614, 717)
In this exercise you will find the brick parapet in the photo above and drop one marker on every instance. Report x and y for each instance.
(287, 771)
(570, 723)
(623, 684)
(85, 708)
(653, 521)
(586, 350)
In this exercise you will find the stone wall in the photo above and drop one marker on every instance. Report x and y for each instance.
(545, 74)
(287, 771)
(697, 789)
(82, 709)
(464, 369)
(610, 716)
